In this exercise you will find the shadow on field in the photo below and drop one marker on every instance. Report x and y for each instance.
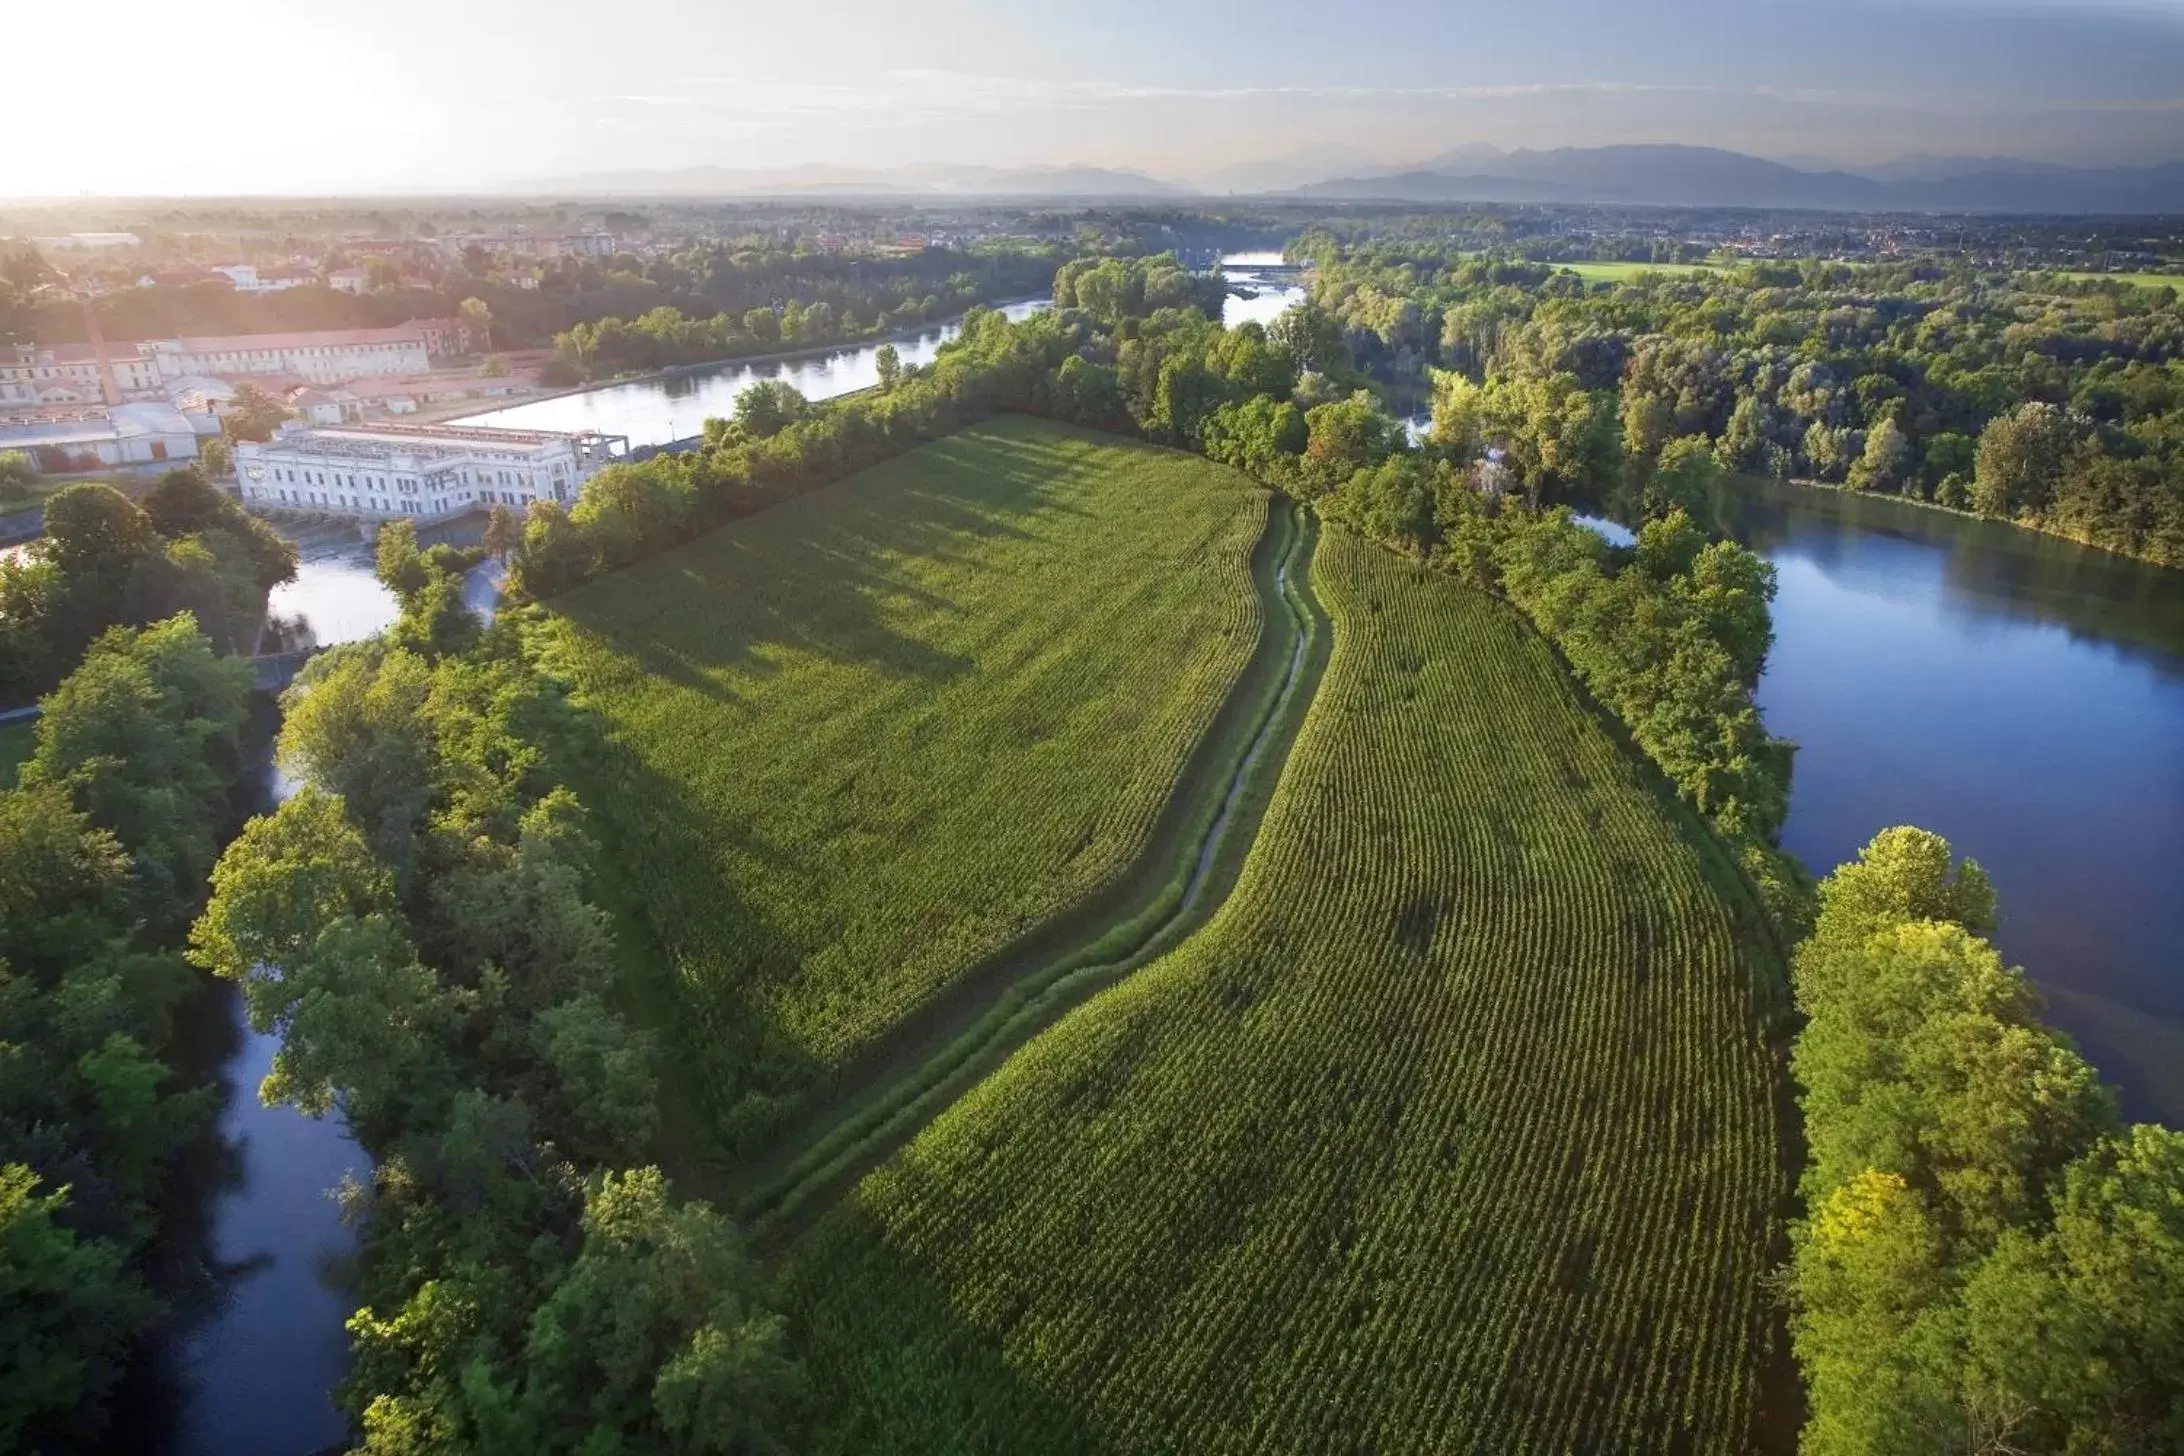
(908, 1373)
(714, 1047)
(821, 576)
(813, 574)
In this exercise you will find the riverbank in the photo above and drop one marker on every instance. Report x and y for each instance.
(1845, 492)
(467, 411)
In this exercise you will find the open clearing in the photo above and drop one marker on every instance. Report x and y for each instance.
(1454, 1130)
(2140, 280)
(1624, 272)
(863, 740)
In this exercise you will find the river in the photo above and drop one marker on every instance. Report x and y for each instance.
(257, 1345)
(659, 409)
(1269, 294)
(2023, 697)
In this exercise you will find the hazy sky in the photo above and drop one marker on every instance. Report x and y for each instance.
(287, 95)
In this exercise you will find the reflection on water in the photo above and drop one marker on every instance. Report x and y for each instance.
(251, 1252)
(663, 408)
(2020, 695)
(334, 592)
(1270, 295)
(254, 1240)
(256, 1370)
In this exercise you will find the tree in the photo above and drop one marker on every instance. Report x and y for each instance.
(302, 916)
(1870, 1326)
(503, 531)
(1990, 1263)
(67, 1313)
(1347, 436)
(769, 406)
(889, 364)
(143, 737)
(1459, 414)
(216, 456)
(2020, 459)
(359, 1020)
(495, 367)
(254, 414)
(1683, 478)
(94, 533)
(1088, 393)
(654, 1320)
(436, 621)
(1312, 336)
(1903, 874)
(397, 562)
(184, 503)
(1885, 463)
(17, 475)
(476, 313)
(355, 725)
(601, 1080)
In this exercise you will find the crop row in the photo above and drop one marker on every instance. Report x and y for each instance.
(1453, 1131)
(868, 737)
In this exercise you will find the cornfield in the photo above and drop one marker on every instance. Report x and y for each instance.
(861, 740)
(1453, 1131)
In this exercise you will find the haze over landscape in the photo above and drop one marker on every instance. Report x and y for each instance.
(1216, 97)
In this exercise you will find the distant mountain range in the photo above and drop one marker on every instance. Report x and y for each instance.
(1710, 177)
(1668, 175)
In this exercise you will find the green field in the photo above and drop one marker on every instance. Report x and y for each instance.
(1624, 272)
(1453, 1131)
(2142, 280)
(863, 740)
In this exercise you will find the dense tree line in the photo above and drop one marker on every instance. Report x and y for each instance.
(106, 560)
(2025, 397)
(416, 926)
(666, 336)
(106, 840)
(1671, 636)
(1989, 1260)
(864, 291)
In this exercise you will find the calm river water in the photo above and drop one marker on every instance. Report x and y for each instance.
(258, 1343)
(661, 408)
(2023, 697)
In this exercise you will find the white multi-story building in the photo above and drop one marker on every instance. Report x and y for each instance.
(327, 357)
(421, 472)
(65, 374)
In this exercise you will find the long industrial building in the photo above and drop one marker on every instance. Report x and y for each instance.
(93, 373)
(384, 472)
